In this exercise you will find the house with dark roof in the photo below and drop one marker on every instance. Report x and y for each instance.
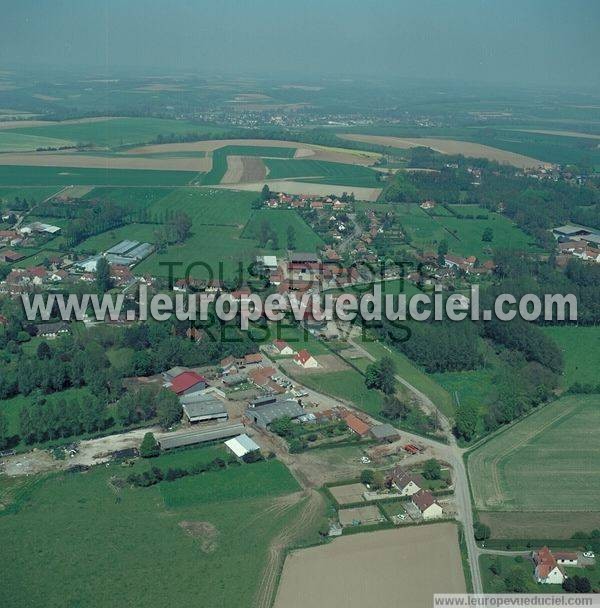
(198, 407)
(427, 505)
(51, 331)
(187, 382)
(405, 482)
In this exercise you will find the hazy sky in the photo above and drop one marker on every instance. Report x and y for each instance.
(521, 41)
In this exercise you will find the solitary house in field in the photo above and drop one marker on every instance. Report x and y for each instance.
(547, 571)
(187, 382)
(427, 505)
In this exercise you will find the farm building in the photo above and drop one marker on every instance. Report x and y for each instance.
(187, 382)
(406, 483)
(170, 374)
(427, 505)
(268, 261)
(303, 257)
(178, 440)
(547, 571)
(305, 359)
(263, 415)
(356, 425)
(198, 407)
(50, 331)
(10, 256)
(242, 445)
(384, 432)
(253, 359)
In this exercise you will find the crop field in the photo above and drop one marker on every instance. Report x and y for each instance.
(36, 193)
(547, 462)
(375, 569)
(19, 176)
(17, 142)
(308, 188)
(333, 173)
(132, 199)
(113, 132)
(153, 554)
(463, 235)
(581, 351)
(448, 146)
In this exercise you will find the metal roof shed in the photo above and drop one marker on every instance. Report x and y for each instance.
(242, 445)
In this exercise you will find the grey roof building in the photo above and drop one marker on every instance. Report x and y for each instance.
(200, 407)
(178, 440)
(384, 432)
(265, 414)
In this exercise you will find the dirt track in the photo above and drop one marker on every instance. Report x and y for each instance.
(386, 568)
(448, 146)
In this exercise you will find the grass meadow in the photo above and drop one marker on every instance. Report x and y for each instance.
(581, 351)
(169, 544)
(115, 131)
(328, 172)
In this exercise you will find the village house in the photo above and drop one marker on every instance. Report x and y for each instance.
(304, 359)
(9, 256)
(427, 205)
(51, 331)
(427, 505)
(547, 570)
(253, 359)
(283, 348)
(406, 483)
(228, 365)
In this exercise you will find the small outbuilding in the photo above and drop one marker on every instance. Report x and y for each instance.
(242, 445)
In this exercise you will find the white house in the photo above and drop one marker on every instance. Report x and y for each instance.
(283, 348)
(547, 571)
(306, 360)
(406, 483)
(427, 505)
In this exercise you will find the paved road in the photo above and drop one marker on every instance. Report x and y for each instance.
(454, 455)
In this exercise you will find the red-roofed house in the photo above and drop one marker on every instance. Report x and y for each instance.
(427, 505)
(187, 382)
(10, 256)
(356, 425)
(547, 570)
(283, 348)
(253, 359)
(304, 359)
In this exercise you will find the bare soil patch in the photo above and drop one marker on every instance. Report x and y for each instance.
(57, 159)
(449, 146)
(244, 169)
(345, 495)
(291, 187)
(202, 531)
(364, 516)
(381, 568)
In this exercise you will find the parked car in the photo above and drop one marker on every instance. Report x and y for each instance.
(589, 554)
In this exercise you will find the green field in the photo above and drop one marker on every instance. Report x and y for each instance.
(116, 132)
(219, 159)
(412, 374)
(306, 238)
(19, 176)
(132, 199)
(348, 385)
(581, 351)
(464, 236)
(327, 172)
(547, 462)
(137, 541)
(18, 142)
(105, 240)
